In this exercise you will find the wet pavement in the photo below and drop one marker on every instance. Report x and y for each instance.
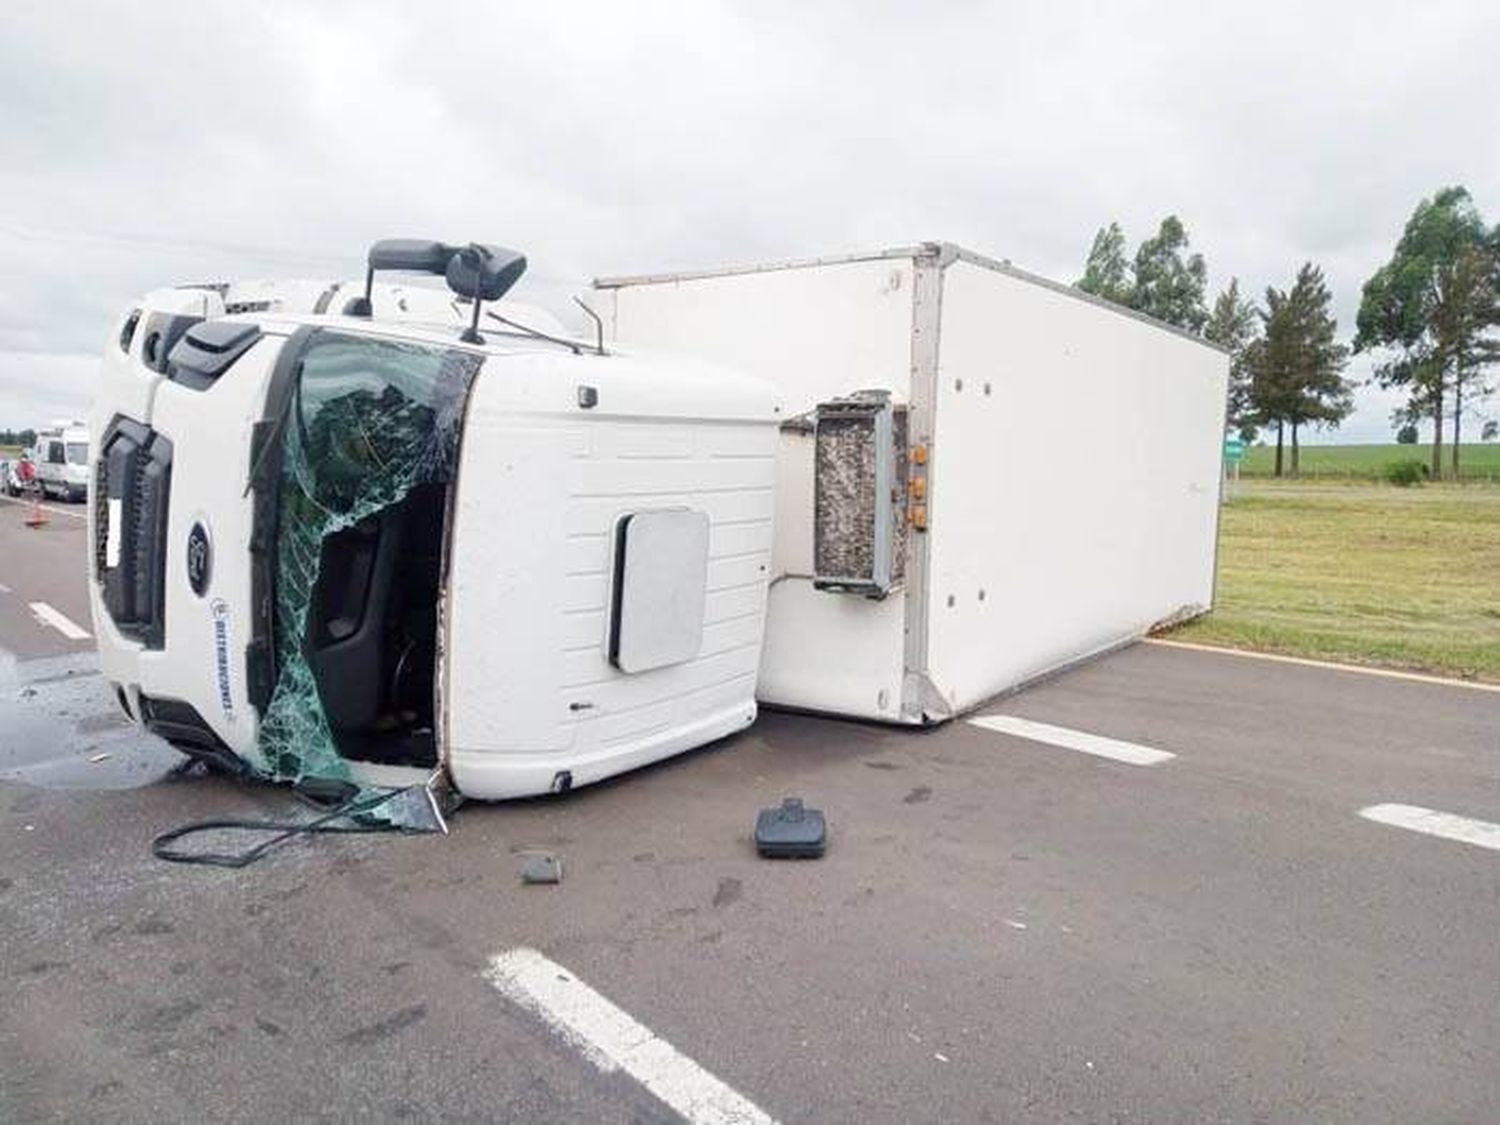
(61, 728)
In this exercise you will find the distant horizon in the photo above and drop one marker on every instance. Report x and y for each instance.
(54, 385)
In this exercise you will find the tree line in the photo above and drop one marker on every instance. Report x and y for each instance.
(1428, 317)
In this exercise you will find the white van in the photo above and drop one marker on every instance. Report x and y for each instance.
(61, 456)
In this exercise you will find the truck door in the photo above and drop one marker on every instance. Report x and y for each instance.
(359, 500)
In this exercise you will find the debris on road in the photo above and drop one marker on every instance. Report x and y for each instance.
(791, 831)
(542, 867)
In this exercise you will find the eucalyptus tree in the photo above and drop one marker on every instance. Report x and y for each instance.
(1432, 311)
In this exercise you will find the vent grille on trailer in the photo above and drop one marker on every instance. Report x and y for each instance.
(859, 495)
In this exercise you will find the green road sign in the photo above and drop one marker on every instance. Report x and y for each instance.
(1234, 450)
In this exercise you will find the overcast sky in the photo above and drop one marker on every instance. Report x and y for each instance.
(152, 144)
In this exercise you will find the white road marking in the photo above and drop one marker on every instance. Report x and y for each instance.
(1361, 669)
(1095, 744)
(45, 614)
(46, 508)
(612, 1040)
(4, 589)
(1449, 826)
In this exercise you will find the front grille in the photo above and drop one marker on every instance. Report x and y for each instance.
(99, 495)
(132, 485)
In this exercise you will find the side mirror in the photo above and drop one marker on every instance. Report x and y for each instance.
(409, 255)
(476, 272)
(484, 273)
(414, 255)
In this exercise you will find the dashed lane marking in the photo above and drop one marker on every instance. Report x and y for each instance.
(1448, 826)
(1082, 741)
(46, 615)
(612, 1040)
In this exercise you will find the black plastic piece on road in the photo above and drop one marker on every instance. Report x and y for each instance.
(791, 831)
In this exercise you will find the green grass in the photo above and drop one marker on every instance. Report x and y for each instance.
(1479, 461)
(1403, 578)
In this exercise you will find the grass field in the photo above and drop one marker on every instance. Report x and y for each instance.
(1479, 461)
(1403, 578)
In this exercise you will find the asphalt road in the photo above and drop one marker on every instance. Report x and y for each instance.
(47, 565)
(1003, 930)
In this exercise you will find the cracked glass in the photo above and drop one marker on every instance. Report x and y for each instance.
(370, 446)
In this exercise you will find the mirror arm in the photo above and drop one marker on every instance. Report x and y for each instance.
(598, 324)
(471, 334)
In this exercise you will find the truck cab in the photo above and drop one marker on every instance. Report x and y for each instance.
(341, 536)
(61, 457)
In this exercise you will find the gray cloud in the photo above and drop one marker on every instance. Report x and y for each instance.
(188, 141)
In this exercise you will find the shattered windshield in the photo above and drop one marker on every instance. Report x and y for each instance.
(370, 445)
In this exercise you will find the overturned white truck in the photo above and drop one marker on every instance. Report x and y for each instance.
(377, 536)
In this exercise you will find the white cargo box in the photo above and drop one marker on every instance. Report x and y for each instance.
(1052, 463)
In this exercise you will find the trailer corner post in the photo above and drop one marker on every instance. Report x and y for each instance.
(917, 692)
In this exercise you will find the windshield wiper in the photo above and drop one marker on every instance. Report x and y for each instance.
(576, 347)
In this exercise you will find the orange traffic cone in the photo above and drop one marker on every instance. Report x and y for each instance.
(38, 516)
